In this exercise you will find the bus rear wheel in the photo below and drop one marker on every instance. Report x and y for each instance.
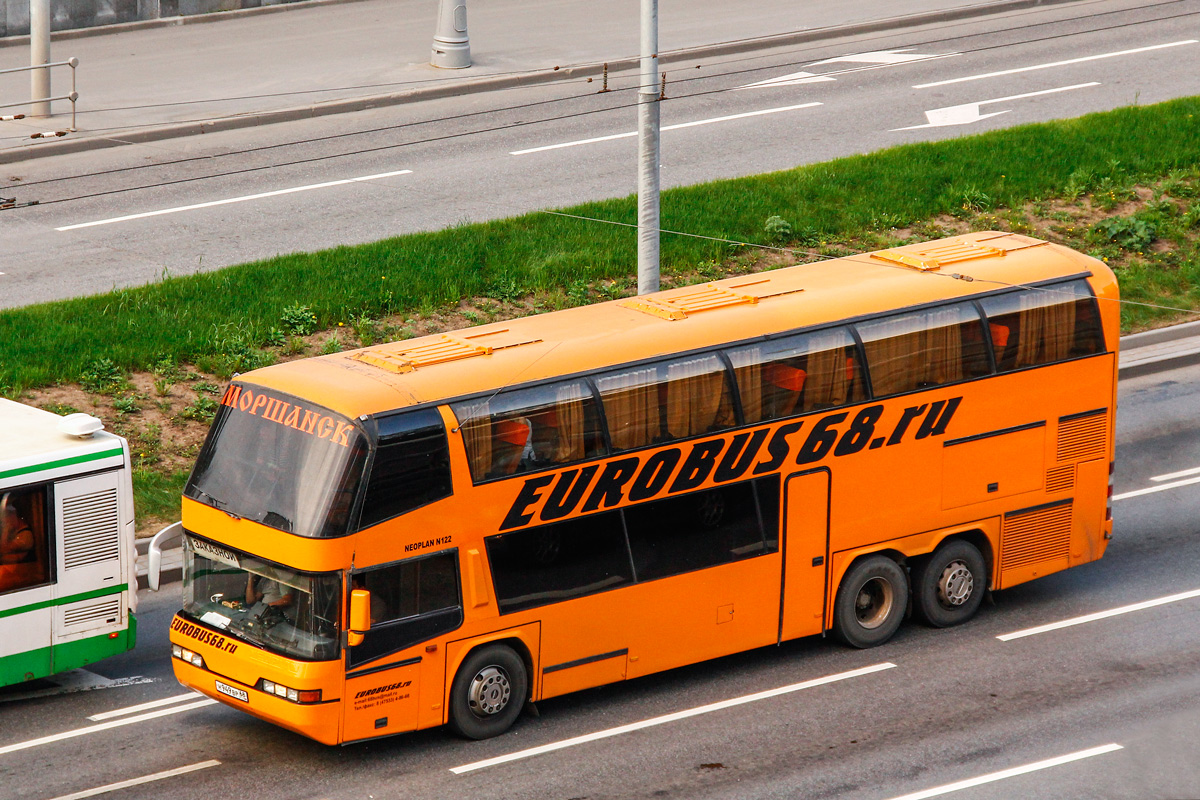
(488, 692)
(870, 602)
(949, 586)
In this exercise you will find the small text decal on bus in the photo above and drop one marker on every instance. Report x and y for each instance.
(202, 635)
(670, 471)
(281, 412)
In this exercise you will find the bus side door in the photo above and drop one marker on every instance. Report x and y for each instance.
(806, 556)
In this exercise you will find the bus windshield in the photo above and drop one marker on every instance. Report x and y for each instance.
(287, 612)
(278, 461)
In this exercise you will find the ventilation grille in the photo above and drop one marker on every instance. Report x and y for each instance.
(1060, 479)
(1036, 536)
(1081, 438)
(91, 529)
(927, 258)
(440, 350)
(104, 612)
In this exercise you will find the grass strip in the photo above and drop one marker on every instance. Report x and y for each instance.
(233, 310)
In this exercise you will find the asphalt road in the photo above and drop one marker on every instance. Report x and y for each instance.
(1108, 708)
(472, 158)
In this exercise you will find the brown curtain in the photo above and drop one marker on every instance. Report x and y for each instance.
(750, 386)
(568, 408)
(1047, 331)
(477, 436)
(895, 361)
(631, 406)
(697, 397)
(828, 383)
(942, 346)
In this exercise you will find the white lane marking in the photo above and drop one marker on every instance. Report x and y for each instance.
(968, 113)
(665, 128)
(1011, 773)
(1162, 487)
(1168, 477)
(166, 701)
(1053, 64)
(1067, 623)
(678, 715)
(798, 78)
(158, 776)
(242, 199)
(103, 726)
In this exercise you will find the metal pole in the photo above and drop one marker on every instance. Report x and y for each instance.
(39, 53)
(451, 45)
(648, 153)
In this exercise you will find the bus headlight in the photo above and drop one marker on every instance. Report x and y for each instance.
(183, 654)
(292, 695)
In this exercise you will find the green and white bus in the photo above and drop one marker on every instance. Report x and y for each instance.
(68, 576)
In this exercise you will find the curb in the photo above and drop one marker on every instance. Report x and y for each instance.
(1159, 350)
(485, 84)
(170, 574)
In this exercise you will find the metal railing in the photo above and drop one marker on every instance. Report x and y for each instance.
(73, 96)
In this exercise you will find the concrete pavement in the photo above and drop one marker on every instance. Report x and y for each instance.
(150, 81)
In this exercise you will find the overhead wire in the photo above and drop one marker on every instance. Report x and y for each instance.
(862, 257)
(519, 107)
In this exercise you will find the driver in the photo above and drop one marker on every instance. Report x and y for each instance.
(16, 539)
(275, 594)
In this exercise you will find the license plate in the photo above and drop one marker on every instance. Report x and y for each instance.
(229, 691)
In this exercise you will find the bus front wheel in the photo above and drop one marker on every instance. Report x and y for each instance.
(870, 602)
(488, 693)
(949, 586)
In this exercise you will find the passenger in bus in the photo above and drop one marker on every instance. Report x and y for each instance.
(511, 445)
(16, 538)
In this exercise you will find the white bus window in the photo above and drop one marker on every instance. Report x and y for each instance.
(24, 541)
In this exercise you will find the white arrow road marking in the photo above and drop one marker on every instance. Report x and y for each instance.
(242, 199)
(631, 134)
(1053, 64)
(880, 57)
(797, 78)
(968, 113)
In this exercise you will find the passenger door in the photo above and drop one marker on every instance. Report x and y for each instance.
(806, 554)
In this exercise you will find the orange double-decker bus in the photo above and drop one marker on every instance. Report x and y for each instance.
(443, 529)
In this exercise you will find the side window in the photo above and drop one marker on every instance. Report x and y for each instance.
(926, 348)
(411, 468)
(530, 429)
(411, 601)
(550, 563)
(24, 539)
(797, 374)
(1041, 326)
(670, 400)
(704, 529)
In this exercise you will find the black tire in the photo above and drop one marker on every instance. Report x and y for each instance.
(948, 587)
(870, 602)
(488, 693)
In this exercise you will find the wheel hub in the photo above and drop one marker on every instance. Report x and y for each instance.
(490, 691)
(955, 584)
(873, 604)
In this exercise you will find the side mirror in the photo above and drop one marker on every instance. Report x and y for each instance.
(360, 616)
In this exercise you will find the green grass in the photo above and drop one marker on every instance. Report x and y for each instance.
(156, 494)
(221, 317)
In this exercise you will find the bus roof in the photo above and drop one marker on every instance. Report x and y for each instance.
(30, 441)
(489, 357)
